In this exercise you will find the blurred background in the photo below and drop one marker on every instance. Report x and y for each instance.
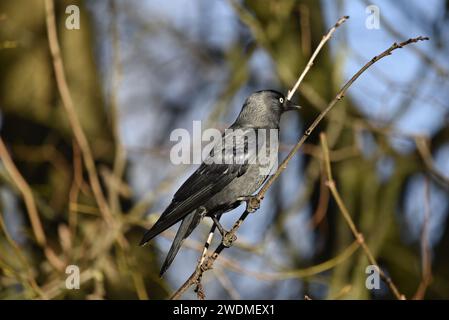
(136, 70)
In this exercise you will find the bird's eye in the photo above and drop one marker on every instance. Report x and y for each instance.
(281, 100)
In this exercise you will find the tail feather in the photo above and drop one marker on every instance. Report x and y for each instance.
(185, 229)
(166, 220)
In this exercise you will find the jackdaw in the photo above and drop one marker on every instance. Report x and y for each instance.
(231, 173)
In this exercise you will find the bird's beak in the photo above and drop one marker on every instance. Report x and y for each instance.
(289, 105)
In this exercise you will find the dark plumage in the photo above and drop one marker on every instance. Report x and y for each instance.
(215, 188)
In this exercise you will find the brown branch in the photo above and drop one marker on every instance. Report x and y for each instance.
(253, 202)
(120, 152)
(30, 277)
(69, 107)
(30, 205)
(422, 145)
(357, 234)
(75, 188)
(26, 192)
(426, 259)
(315, 53)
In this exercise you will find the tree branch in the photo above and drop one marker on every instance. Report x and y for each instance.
(357, 234)
(69, 107)
(315, 53)
(30, 204)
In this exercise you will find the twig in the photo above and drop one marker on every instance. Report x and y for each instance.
(77, 181)
(315, 53)
(345, 290)
(420, 53)
(120, 152)
(27, 194)
(253, 202)
(422, 146)
(425, 248)
(357, 234)
(323, 203)
(69, 107)
(30, 205)
(29, 270)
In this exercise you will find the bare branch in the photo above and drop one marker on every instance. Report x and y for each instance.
(315, 53)
(357, 234)
(69, 107)
(30, 205)
(426, 252)
(26, 192)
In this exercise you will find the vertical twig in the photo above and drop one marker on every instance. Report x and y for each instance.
(357, 234)
(69, 107)
(120, 152)
(26, 192)
(29, 271)
(315, 53)
(31, 207)
(426, 258)
(75, 188)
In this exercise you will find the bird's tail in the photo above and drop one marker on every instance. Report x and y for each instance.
(185, 229)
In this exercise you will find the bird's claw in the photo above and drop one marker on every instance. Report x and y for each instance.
(252, 203)
(228, 239)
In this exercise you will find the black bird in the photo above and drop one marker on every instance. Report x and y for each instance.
(220, 186)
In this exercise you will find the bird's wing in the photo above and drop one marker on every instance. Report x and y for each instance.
(209, 179)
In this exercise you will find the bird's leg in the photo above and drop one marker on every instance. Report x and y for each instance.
(227, 237)
(208, 242)
(252, 202)
(218, 225)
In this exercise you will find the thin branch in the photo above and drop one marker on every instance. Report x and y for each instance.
(357, 234)
(69, 107)
(253, 202)
(120, 152)
(426, 259)
(428, 59)
(422, 145)
(30, 205)
(26, 192)
(29, 270)
(315, 53)
(75, 188)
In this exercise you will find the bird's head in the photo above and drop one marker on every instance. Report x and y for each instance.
(263, 109)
